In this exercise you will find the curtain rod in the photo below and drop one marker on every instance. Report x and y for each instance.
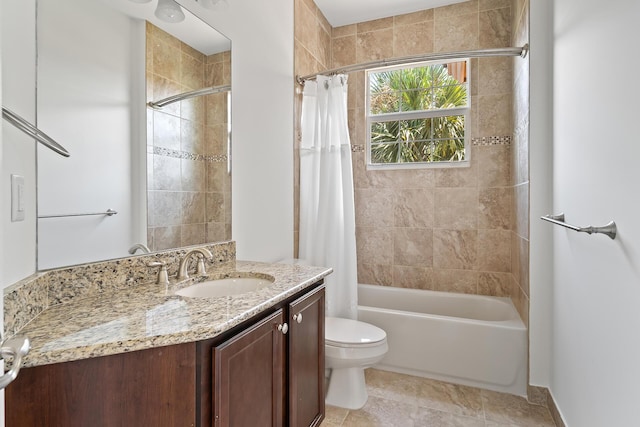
(157, 105)
(507, 51)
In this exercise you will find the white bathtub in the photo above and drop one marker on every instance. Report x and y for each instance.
(465, 339)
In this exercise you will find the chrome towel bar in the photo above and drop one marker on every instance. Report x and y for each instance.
(109, 212)
(610, 229)
(33, 132)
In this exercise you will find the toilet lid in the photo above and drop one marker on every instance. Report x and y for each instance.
(341, 332)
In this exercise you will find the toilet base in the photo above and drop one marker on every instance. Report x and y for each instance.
(347, 388)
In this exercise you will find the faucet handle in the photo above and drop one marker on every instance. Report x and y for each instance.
(163, 275)
(201, 269)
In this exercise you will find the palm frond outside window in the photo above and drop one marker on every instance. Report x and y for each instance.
(417, 115)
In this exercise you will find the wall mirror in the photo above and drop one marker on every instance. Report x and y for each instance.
(164, 171)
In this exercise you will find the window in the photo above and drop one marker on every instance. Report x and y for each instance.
(417, 115)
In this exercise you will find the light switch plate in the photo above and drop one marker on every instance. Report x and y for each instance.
(17, 198)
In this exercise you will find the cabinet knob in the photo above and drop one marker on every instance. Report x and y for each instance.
(298, 317)
(284, 328)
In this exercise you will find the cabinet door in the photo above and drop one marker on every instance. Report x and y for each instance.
(248, 376)
(306, 360)
(153, 387)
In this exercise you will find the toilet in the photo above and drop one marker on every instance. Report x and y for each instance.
(350, 347)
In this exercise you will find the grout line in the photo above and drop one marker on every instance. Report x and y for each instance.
(484, 411)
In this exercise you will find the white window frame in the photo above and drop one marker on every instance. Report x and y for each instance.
(423, 114)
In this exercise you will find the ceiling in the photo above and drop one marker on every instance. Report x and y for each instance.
(193, 31)
(344, 12)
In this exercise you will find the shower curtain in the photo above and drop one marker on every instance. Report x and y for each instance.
(327, 212)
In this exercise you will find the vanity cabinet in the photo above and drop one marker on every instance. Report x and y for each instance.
(248, 376)
(151, 387)
(272, 373)
(252, 375)
(306, 360)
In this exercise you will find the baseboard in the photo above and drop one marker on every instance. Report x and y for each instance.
(555, 412)
(543, 397)
(538, 395)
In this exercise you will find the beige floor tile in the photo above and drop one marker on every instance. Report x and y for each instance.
(334, 415)
(452, 398)
(492, 424)
(407, 401)
(391, 386)
(382, 413)
(432, 418)
(506, 409)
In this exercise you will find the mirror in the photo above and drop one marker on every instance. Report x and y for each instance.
(166, 172)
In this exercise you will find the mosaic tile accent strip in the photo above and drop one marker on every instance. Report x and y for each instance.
(485, 140)
(492, 140)
(26, 299)
(216, 158)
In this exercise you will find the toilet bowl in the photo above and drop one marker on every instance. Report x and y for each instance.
(350, 347)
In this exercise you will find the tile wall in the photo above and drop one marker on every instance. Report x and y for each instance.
(448, 229)
(520, 163)
(189, 185)
(312, 54)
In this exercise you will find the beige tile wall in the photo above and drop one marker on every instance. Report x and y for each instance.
(189, 188)
(520, 163)
(445, 229)
(458, 229)
(312, 52)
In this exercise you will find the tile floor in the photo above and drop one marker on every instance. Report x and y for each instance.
(406, 401)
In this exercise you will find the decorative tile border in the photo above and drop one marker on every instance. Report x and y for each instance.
(482, 141)
(26, 299)
(217, 158)
(492, 140)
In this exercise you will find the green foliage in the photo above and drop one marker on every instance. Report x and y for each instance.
(420, 139)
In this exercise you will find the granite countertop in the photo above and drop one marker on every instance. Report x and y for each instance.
(150, 315)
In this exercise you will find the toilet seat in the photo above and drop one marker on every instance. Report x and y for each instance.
(341, 332)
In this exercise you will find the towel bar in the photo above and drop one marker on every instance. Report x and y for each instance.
(109, 212)
(610, 229)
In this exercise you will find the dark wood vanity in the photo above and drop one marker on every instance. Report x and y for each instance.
(267, 371)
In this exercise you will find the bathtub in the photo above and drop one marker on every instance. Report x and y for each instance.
(472, 340)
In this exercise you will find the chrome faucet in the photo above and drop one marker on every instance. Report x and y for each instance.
(184, 263)
(143, 248)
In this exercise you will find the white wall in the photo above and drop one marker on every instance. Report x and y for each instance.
(596, 351)
(87, 100)
(541, 188)
(2, 215)
(261, 36)
(18, 151)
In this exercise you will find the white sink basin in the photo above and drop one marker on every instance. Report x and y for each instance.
(225, 287)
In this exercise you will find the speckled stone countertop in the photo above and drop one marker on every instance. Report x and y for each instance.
(151, 315)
